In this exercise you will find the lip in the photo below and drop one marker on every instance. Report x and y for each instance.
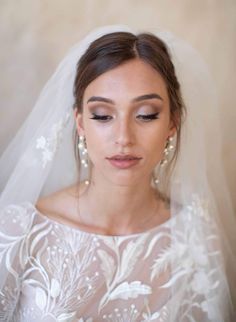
(124, 161)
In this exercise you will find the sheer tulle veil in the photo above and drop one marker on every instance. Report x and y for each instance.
(40, 159)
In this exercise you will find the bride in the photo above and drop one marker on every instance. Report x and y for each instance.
(127, 229)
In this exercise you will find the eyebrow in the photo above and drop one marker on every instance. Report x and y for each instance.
(136, 99)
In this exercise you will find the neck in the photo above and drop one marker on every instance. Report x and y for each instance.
(115, 207)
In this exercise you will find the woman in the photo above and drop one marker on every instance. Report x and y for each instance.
(129, 241)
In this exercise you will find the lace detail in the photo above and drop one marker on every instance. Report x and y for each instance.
(49, 145)
(53, 272)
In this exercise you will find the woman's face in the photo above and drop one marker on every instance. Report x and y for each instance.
(126, 122)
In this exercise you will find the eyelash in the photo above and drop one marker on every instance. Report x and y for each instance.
(149, 117)
(144, 117)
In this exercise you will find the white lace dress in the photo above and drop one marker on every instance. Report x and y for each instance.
(51, 272)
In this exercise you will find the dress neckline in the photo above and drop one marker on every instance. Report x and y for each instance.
(79, 230)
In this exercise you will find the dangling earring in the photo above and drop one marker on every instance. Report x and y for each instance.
(168, 148)
(83, 153)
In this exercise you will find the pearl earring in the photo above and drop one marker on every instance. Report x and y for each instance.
(168, 148)
(83, 153)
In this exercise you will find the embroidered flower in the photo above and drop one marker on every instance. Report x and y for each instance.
(41, 143)
(49, 145)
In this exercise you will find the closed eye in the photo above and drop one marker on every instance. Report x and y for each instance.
(148, 117)
(144, 117)
(103, 118)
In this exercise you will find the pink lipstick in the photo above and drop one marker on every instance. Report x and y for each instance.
(124, 161)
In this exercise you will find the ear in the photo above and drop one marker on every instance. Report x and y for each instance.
(172, 129)
(79, 122)
(173, 124)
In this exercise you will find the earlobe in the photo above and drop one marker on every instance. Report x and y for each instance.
(172, 130)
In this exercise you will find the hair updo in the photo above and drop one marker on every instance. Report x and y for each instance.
(113, 49)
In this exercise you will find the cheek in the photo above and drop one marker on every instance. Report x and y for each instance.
(97, 141)
(155, 143)
(156, 146)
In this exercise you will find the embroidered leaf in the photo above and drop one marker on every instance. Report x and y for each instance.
(130, 290)
(107, 265)
(150, 317)
(153, 242)
(161, 263)
(155, 316)
(129, 257)
(55, 288)
(40, 298)
(124, 291)
(66, 317)
(174, 278)
(166, 257)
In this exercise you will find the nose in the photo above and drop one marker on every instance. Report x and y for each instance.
(124, 133)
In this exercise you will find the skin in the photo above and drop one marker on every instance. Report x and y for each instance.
(118, 202)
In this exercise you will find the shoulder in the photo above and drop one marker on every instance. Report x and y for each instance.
(61, 205)
(16, 219)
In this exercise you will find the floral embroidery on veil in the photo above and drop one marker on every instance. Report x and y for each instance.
(48, 145)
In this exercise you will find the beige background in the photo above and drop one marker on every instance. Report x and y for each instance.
(35, 35)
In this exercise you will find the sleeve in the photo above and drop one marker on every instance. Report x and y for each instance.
(15, 224)
(202, 288)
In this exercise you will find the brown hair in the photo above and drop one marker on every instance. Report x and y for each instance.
(112, 50)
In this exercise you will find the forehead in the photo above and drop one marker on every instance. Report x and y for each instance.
(132, 78)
